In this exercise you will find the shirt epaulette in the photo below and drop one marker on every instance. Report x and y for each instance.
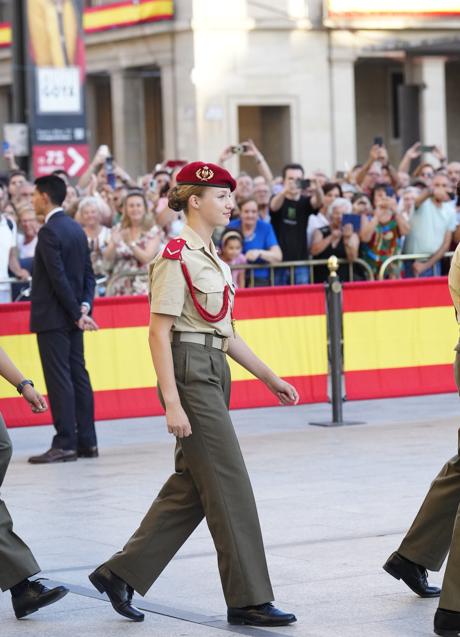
(174, 249)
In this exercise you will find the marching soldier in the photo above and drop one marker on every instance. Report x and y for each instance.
(191, 330)
(17, 564)
(436, 528)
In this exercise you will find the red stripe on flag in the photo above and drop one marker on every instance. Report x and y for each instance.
(133, 311)
(134, 403)
(404, 381)
(396, 295)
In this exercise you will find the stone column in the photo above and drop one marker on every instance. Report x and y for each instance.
(169, 109)
(429, 74)
(343, 111)
(433, 101)
(128, 120)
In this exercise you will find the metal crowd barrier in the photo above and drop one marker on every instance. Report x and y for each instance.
(252, 267)
(310, 263)
(405, 257)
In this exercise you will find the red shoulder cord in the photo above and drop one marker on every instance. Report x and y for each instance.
(211, 318)
(173, 251)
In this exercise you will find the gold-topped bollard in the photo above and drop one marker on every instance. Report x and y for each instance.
(333, 265)
(333, 289)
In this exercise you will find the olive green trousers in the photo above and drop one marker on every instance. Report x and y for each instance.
(435, 532)
(210, 480)
(16, 560)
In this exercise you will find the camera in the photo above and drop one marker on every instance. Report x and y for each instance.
(378, 141)
(303, 183)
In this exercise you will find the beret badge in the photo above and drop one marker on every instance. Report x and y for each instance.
(204, 173)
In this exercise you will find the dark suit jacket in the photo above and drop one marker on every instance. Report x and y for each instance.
(62, 275)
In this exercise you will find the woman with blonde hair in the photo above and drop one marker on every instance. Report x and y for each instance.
(90, 217)
(191, 330)
(134, 242)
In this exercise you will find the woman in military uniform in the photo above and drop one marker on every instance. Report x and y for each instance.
(191, 329)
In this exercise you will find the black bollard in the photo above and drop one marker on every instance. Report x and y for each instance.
(333, 290)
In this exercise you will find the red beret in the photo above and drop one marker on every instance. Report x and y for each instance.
(200, 174)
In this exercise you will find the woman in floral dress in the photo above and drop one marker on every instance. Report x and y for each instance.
(134, 242)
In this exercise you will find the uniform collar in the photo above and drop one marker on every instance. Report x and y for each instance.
(195, 242)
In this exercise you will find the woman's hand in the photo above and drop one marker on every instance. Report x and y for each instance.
(286, 393)
(116, 236)
(177, 422)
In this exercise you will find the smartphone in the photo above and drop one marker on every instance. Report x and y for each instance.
(427, 149)
(303, 184)
(152, 185)
(378, 141)
(5, 146)
(239, 149)
(111, 177)
(340, 174)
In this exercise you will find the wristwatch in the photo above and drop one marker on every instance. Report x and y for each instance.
(22, 384)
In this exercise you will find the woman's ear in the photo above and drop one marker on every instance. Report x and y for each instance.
(194, 202)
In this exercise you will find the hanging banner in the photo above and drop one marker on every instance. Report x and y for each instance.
(56, 85)
(391, 13)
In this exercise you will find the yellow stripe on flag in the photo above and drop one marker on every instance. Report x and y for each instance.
(399, 338)
(119, 358)
(117, 16)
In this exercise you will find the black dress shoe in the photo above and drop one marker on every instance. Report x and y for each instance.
(447, 623)
(88, 452)
(414, 575)
(35, 596)
(54, 455)
(261, 615)
(119, 592)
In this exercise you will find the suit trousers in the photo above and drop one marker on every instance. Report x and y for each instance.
(436, 528)
(69, 388)
(211, 481)
(16, 560)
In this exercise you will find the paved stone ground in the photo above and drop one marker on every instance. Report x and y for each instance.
(333, 504)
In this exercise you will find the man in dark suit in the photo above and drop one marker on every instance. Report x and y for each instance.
(62, 295)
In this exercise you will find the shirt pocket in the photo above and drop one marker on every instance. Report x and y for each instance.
(210, 293)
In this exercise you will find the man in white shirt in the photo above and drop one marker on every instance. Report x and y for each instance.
(432, 225)
(8, 257)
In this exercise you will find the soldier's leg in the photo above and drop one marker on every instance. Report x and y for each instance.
(450, 595)
(173, 516)
(214, 458)
(428, 540)
(16, 560)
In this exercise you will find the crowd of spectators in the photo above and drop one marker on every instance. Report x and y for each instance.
(372, 212)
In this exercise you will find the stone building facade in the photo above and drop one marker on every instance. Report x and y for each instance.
(307, 84)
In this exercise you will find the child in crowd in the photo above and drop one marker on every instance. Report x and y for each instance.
(231, 252)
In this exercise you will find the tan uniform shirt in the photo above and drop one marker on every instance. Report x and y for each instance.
(454, 281)
(169, 293)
